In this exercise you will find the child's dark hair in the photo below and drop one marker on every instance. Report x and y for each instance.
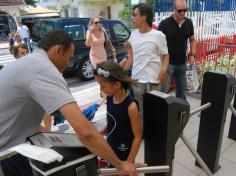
(113, 72)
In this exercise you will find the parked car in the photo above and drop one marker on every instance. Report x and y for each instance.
(3, 32)
(77, 27)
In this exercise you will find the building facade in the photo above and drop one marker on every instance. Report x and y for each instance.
(84, 8)
(9, 14)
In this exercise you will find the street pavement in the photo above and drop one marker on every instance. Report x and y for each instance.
(6, 58)
(4, 45)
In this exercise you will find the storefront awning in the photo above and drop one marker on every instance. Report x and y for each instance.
(25, 11)
(40, 15)
(11, 2)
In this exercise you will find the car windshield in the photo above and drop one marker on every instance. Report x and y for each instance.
(77, 31)
(40, 29)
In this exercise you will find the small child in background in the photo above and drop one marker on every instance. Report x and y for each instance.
(127, 62)
(123, 122)
(19, 50)
(10, 42)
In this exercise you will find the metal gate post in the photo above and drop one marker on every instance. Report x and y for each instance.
(232, 128)
(164, 119)
(216, 90)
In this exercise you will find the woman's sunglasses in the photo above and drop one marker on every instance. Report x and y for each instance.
(97, 22)
(181, 10)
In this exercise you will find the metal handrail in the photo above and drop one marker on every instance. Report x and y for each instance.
(218, 44)
(201, 108)
(149, 169)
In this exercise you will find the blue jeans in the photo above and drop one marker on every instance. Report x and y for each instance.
(179, 75)
(27, 42)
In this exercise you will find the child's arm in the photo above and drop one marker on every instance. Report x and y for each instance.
(136, 128)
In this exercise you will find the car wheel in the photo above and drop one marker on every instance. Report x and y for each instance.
(85, 70)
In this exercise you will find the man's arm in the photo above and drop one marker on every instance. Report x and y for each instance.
(192, 55)
(129, 62)
(162, 73)
(27, 29)
(17, 33)
(92, 139)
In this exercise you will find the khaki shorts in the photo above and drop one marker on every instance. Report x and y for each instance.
(139, 90)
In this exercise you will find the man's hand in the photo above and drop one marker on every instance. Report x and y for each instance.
(162, 77)
(127, 168)
(191, 60)
(91, 29)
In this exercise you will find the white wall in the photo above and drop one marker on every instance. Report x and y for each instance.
(96, 10)
(84, 9)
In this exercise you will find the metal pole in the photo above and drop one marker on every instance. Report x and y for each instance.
(196, 155)
(201, 108)
(150, 169)
(232, 127)
(129, 9)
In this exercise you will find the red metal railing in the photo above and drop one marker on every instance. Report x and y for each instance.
(216, 54)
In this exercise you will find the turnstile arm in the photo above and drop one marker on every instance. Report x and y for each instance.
(150, 169)
(231, 107)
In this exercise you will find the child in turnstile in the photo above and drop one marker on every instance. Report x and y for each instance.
(123, 122)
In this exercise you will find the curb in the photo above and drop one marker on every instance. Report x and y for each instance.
(4, 45)
(4, 48)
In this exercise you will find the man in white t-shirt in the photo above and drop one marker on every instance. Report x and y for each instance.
(23, 31)
(150, 53)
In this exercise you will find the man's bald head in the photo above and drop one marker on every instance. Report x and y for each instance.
(180, 3)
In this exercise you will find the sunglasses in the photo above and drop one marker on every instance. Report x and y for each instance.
(97, 22)
(181, 10)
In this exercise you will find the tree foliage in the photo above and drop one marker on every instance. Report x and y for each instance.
(124, 14)
(96, 1)
(30, 2)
